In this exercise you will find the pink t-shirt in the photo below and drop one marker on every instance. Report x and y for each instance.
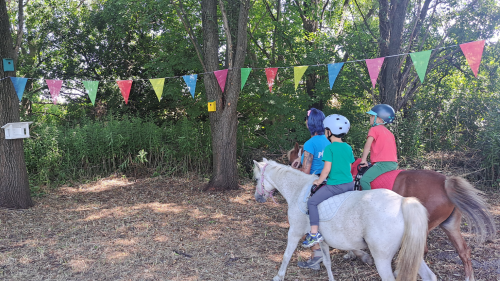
(383, 148)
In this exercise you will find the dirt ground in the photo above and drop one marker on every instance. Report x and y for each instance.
(167, 229)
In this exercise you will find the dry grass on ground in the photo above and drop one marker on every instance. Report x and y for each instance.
(167, 229)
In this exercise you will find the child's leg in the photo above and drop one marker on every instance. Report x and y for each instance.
(321, 195)
(375, 171)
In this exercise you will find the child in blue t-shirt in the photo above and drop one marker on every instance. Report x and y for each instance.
(314, 147)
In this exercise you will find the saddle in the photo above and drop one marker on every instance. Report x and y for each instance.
(326, 209)
(385, 180)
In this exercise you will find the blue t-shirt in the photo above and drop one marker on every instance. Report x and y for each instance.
(316, 145)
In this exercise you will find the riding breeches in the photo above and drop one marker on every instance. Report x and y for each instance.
(321, 195)
(376, 170)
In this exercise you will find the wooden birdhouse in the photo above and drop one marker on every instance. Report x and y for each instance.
(8, 65)
(211, 105)
(17, 130)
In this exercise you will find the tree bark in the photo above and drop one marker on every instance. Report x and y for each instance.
(14, 186)
(224, 122)
(310, 13)
(391, 22)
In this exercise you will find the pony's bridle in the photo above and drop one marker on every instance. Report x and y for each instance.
(262, 190)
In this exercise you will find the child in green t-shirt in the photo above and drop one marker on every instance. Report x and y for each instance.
(338, 172)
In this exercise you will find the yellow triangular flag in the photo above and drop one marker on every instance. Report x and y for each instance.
(298, 71)
(158, 86)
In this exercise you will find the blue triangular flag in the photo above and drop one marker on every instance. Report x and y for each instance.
(333, 72)
(191, 82)
(19, 84)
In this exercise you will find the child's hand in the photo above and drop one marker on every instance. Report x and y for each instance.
(363, 163)
(317, 182)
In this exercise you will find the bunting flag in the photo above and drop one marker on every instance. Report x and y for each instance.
(158, 86)
(333, 72)
(374, 66)
(19, 85)
(91, 87)
(221, 76)
(245, 72)
(298, 71)
(54, 88)
(473, 52)
(125, 86)
(420, 62)
(191, 82)
(271, 74)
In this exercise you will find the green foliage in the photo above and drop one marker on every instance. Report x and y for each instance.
(109, 40)
(57, 153)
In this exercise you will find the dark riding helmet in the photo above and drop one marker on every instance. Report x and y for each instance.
(384, 112)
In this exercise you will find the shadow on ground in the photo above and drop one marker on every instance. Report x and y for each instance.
(167, 229)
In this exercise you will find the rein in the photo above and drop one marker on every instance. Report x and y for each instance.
(262, 190)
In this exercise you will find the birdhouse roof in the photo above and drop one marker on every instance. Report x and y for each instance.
(16, 123)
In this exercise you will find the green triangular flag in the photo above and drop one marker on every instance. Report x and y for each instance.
(91, 87)
(298, 71)
(158, 86)
(244, 76)
(420, 61)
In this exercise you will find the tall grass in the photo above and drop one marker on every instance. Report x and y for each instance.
(57, 153)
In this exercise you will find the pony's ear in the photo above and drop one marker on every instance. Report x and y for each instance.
(257, 164)
(296, 147)
(264, 160)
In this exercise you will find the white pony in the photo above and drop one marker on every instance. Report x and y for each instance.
(378, 219)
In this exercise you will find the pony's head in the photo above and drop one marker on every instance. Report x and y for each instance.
(294, 155)
(263, 189)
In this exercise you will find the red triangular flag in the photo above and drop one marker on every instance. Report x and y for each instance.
(374, 66)
(125, 86)
(271, 74)
(473, 52)
(54, 88)
(221, 76)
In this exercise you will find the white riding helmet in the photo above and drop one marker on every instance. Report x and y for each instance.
(337, 124)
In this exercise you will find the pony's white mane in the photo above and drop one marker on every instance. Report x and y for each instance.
(281, 170)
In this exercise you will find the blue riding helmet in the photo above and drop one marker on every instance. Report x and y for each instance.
(384, 112)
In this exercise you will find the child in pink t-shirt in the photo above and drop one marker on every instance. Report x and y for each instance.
(381, 143)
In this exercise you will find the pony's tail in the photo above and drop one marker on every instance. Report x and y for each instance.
(469, 202)
(411, 253)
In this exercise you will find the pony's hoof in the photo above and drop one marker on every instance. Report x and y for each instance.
(277, 278)
(367, 259)
(349, 256)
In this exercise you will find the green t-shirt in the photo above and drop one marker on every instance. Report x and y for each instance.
(341, 156)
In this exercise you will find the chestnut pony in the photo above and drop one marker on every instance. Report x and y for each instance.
(446, 199)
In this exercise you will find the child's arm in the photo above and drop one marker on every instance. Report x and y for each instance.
(307, 162)
(324, 173)
(366, 151)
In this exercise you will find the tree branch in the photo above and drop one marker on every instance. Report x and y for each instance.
(364, 20)
(269, 10)
(229, 49)
(20, 32)
(183, 17)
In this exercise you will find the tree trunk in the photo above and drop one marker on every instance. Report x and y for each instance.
(391, 22)
(14, 187)
(223, 121)
(310, 13)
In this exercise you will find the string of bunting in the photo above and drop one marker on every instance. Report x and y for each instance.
(472, 51)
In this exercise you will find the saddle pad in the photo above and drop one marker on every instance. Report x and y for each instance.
(385, 180)
(326, 209)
